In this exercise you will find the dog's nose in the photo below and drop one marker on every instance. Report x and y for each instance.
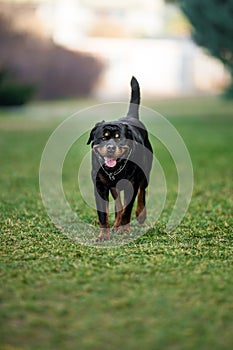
(111, 148)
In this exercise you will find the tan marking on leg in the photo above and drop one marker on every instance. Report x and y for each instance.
(141, 208)
(104, 234)
(118, 207)
(123, 229)
(104, 231)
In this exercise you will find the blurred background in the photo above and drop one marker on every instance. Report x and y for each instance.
(52, 49)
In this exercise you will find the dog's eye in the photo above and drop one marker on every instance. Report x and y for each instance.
(117, 136)
(106, 134)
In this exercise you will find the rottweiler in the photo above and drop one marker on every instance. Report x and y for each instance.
(121, 161)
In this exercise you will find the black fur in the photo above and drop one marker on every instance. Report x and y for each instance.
(121, 151)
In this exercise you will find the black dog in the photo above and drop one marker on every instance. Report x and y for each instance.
(121, 161)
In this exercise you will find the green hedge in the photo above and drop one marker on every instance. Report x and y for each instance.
(13, 93)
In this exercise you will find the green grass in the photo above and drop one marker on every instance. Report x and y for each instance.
(162, 291)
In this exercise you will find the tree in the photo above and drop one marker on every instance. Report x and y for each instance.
(212, 28)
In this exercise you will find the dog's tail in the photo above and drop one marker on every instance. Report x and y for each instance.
(135, 99)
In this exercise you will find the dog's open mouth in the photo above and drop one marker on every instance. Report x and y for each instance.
(110, 162)
(111, 159)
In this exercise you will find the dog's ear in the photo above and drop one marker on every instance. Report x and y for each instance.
(91, 137)
(92, 133)
(134, 134)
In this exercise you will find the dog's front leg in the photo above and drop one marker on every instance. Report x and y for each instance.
(141, 205)
(118, 207)
(102, 204)
(129, 199)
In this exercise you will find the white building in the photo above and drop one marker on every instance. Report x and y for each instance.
(129, 37)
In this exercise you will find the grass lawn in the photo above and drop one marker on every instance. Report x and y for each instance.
(162, 291)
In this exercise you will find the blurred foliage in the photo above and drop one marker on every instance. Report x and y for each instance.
(212, 28)
(54, 71)
(12, 93)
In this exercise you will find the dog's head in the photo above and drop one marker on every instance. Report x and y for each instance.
(112, 141)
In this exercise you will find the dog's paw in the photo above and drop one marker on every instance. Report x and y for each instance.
(104, 235)
(116, 226)
(122, 229)
(141, 216)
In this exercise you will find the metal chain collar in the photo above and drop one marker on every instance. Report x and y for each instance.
(112, 175)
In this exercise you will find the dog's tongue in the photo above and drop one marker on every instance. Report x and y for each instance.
(110, 162)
